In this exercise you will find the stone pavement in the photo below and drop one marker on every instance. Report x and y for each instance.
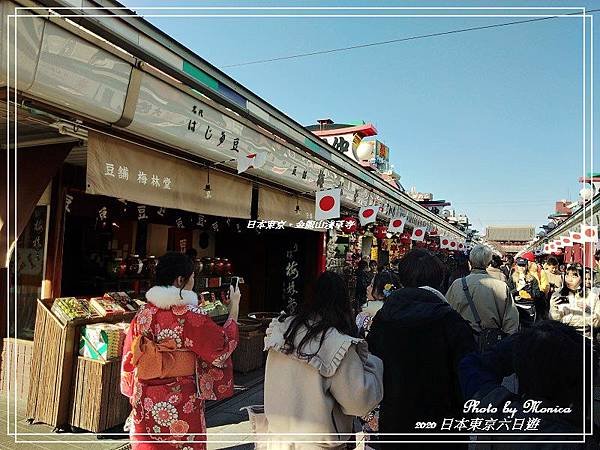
(221, 418)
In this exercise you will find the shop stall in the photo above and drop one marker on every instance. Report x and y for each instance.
(148, 157)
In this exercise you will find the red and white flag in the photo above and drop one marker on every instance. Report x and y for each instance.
(251, 160)
(589, 233)
(461, 247)
(566, 241)
(418, 233)
(367, 214)
(547, 249)
(397, 225)
(576, 237)
(327, 204)
(444, 242)
(558, 243)
(453, 244)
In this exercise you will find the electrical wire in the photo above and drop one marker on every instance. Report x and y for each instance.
(405, 39)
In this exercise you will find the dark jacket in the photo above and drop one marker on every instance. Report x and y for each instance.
(481, 378)
(363, 279)
(421, 340)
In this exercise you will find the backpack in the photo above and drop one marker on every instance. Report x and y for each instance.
(487, 338)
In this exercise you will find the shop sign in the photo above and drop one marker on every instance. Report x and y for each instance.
(124, 170)
(291, 278)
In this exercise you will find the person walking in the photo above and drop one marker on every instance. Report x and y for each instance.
(319, 376)
(175, 358)
(421, 340)
(494, 269)
(363, 280)
(382, 285)
(526, 288)
(508, 266)
(491, 297)
(554, 276)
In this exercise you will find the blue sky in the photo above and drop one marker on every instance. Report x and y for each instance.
(489, 120)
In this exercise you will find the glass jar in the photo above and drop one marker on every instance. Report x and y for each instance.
(219, 266)
(150, 267)
(135, 266)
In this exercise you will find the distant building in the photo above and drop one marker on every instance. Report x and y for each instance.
(509, 239)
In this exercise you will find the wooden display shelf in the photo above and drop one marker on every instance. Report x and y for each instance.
(55, 352)
(19, 351)
(97, 400)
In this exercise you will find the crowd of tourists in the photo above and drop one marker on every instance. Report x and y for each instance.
(422, 344)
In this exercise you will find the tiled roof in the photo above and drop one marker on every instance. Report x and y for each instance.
(523, 234)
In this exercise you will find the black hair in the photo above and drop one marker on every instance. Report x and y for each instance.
(328, 308)
(385, 277)
(496, 261)
(536, 353)
(373, 262)
(578, 268)
(510, 259)
(172, 265)
(552, 261)
(362, 265)
(420, 267)
(597, 255)
(191, 253)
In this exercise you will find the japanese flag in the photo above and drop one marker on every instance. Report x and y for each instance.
(367, 214)
(566, 241)
(453, 244)
(576, 237)
(589, 233)
(444, 242)
(552, 247)
(397, 225)
(251, 160)
(461, 247)
(418, 233)
(546, 248)
(327, 204)
(558, 243)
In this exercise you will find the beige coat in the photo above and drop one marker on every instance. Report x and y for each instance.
(496, 273)
(492, 300)
(320, 395)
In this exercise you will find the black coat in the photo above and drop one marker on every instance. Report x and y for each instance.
(421, 340)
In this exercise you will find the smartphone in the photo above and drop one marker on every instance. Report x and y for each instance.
(235, 282)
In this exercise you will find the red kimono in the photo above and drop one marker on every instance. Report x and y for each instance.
(169, 413)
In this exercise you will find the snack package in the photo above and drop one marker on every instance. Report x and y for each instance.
(106, 306)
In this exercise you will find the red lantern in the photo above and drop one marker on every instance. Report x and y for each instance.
(405, 238)
(347, 227)
(380, 232)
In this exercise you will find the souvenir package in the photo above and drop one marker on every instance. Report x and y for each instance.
(214, 282)
(123, 300)
(105, 306)
(70, 308)
(101, 341)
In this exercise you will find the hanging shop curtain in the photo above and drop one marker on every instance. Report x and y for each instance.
(124, 170)
(278, 205)
(36, 166)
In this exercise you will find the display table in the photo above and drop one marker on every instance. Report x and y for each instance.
(54, 364)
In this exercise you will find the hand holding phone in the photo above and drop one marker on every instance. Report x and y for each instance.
(234, 291)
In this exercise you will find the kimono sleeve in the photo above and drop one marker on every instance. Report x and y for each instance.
(127, 379)
(213, 344)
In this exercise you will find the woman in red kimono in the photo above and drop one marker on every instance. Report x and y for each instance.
(174, 358)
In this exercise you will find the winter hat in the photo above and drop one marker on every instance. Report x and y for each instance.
(529, 256)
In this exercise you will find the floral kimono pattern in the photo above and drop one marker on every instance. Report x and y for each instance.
(169, 413)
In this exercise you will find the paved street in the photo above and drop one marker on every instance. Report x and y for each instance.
(225, 417)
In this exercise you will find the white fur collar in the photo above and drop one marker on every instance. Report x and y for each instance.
(434, 291)
(166, 297)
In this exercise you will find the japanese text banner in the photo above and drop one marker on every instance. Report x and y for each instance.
(124, 170)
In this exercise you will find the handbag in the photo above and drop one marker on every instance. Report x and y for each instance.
(487, 338)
